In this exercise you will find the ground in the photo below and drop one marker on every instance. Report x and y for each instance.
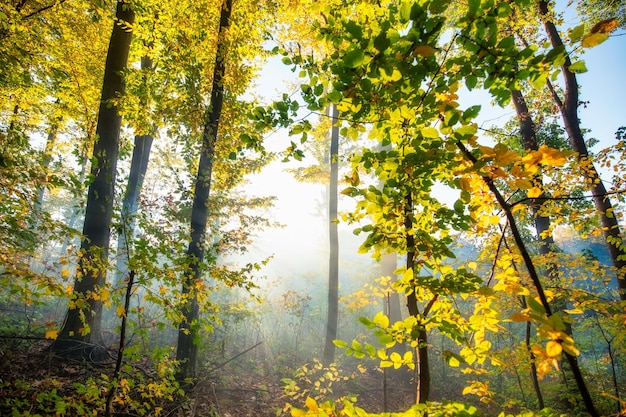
(35, 382)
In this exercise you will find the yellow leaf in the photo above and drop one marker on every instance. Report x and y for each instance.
(121, 311)
(519, 317)
(52, 334)
(534, 192)
(311, 404)
(553, 348)
(65, 273)
(523, 184)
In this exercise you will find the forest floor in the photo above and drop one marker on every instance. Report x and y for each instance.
(33, 382)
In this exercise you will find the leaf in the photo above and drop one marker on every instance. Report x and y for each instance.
(52, 334)
(424, 50)
(604, 26)
(354, 58)
(535, 306)
(577, 33)
(578, 67)
(120, 311)
(554, 348)
(593, 39)
(311, 404)
(534, 192)
(340, 343)
(430, 132)
(519, 317)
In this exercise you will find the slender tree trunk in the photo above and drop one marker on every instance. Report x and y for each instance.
(533, 362)
(83, 325)
(138, 168)
(333, 262)
(47, 157)
(187, 349)
(569, 113)
(422, 392)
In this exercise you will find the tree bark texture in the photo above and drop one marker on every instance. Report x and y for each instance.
(569, 113)
(187, 349)
(333, 261)
(91, 274)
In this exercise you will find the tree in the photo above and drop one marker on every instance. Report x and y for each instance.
(333, 262)
(138, 168)
(83, 322)
(187, 348)
(568, 106)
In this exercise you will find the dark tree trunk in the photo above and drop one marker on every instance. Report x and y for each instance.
(333, 261)
(569, 113)
(422, 392)
(138, 169)
(91, 274)
(187, 349)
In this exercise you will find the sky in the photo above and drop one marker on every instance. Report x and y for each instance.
(300, 246)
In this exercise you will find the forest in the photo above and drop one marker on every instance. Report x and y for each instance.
(312, 208)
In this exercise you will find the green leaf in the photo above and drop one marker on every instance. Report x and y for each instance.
(405, 11)
(471, 112)
(577, 33)
(578, 67)
(473, 6)
(381, 42)
(354, 30)
(340, 344)
(471, 81)
(535, 306)
(354, 58)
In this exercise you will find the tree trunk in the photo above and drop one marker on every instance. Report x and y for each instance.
(333, 262)
(187, 349)
(138, 168)
(83, 325)
(569, 113)
(422, 392)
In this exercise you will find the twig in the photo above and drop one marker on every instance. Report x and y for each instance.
(233, 358)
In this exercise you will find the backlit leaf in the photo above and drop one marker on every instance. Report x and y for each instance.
(578, 67)
(593, 39)
(52, 334)
(553, 348)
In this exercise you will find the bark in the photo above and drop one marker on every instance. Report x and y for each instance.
(91, 274)
(333, 262)
(138, 169)
(422, 392)
(187, 349)
(569, 113)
